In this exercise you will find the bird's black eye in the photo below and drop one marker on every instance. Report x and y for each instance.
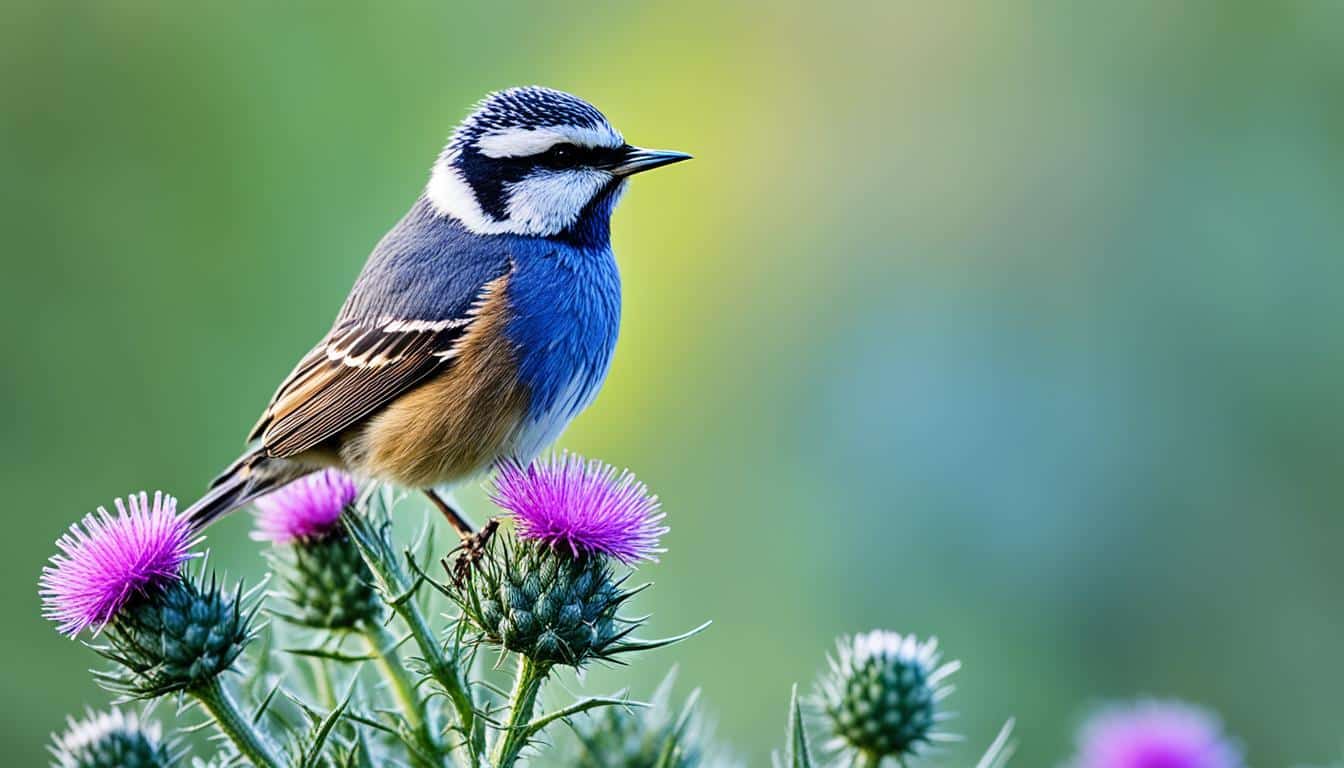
(562, 155)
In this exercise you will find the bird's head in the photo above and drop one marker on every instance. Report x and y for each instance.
(535, 161)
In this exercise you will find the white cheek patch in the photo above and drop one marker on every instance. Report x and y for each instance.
(547, 202)
(543, 204)
(521, 142)
(451, 195)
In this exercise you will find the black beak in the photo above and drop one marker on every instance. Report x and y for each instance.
(635, 160)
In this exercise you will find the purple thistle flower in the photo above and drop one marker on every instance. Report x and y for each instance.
(585, 505)
(308, 507)
(110, 558)
(1155, 734)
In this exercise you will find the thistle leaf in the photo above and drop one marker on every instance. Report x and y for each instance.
(668, 755)
(635, 644)
(314, 751)
(578, 707)
(1001, 750)
(796, 752)
(321, 653)
(265, 703)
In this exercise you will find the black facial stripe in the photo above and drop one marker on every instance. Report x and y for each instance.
(566, 155)
(488, 177)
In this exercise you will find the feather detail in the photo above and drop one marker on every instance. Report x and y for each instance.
(358, 368)
(454, 423)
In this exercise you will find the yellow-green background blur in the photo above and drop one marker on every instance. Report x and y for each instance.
(1014, 323)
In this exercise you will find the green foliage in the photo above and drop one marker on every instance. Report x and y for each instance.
(656, 736)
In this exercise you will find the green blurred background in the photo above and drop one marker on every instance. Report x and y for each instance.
(1014, 323)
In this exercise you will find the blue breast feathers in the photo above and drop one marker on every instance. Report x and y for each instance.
(565, 302)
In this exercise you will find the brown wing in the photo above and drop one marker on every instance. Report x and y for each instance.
(357, 368)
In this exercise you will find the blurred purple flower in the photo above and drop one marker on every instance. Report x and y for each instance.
(110, 558)
(1155, 734)
(308, 507)
(585, 505)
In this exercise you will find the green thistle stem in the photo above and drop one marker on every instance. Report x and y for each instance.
(869, 760)
(241, 730)
(381, 643)
(396, 585)
(522, 702)
(445, 673)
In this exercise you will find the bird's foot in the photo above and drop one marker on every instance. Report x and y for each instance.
(470, 553)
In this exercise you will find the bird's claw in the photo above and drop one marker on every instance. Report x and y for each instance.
(470, 553)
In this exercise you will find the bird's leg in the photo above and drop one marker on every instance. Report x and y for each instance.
(470, 552)
(473, 545)
(456, 520)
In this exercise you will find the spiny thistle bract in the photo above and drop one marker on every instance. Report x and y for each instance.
(111, 739)
(1170, 734)
(175, 636)
(655, 736)
(881, 694)
(548, 605)
(324, 578)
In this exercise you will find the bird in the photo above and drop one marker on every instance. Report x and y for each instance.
(481, 324)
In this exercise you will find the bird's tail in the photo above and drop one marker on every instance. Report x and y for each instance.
(251, 476)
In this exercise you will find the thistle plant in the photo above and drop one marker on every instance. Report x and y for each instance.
(328, 587)
(324, 582)
(551, 594)
(371, 661)
(586, 507)
(548, 592)
(166, 630)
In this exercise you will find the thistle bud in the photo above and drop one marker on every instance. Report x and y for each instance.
(323, 576)
(175, 637)
(546, 604)
(882, 693)
(111, 739)
(327, 584)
